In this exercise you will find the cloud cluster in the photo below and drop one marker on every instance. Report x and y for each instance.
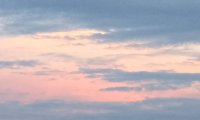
(165, 80)
(157, 22)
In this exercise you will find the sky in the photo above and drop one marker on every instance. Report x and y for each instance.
(99, 60)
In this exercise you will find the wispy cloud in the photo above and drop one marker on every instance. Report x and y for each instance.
(18, 63)
(116, 75)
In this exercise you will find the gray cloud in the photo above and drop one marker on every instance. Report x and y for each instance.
(122, 88)
(18, 63)
(165, 80)
(116, 75)
(157, 109)
(147, 87)
(48, 72)
(161, 22)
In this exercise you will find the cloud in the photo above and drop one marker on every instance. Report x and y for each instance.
(157, 109)
(65, 57)
(123, 88)
(48, 73)
(158, 22)
(116, 75)
(18, 63)
(147, 87)
(163, 80)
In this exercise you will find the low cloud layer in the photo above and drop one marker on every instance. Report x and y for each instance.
(162, 109)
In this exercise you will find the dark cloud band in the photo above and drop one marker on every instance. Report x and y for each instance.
(166, 22)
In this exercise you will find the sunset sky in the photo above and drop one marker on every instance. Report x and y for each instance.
(99, 60)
